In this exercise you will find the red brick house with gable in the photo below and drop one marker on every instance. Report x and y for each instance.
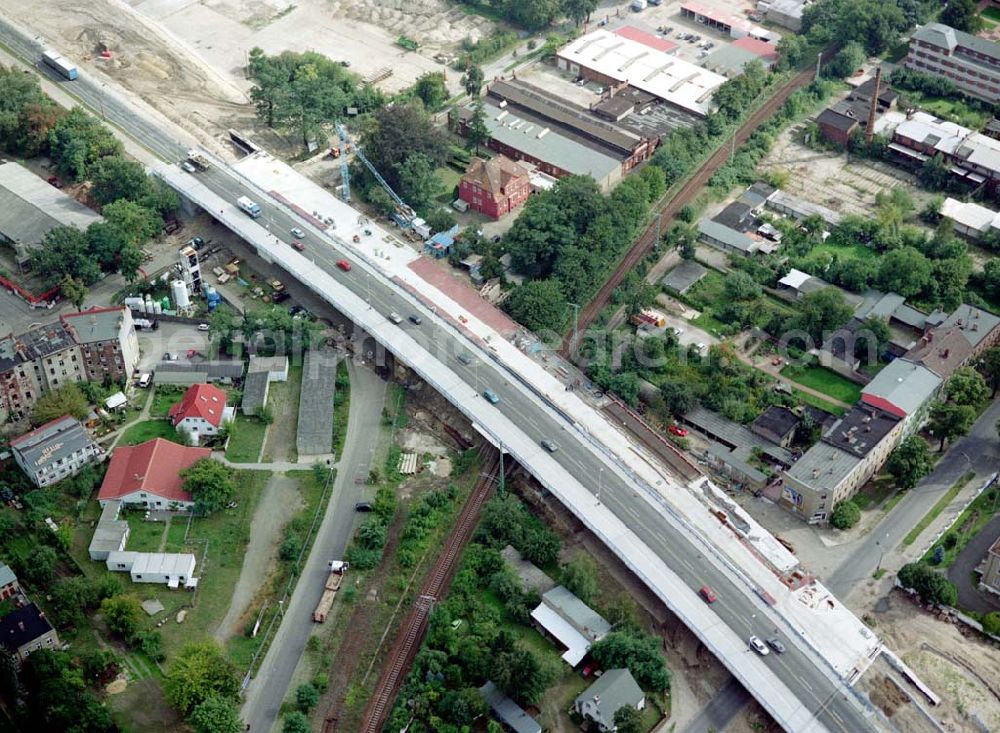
(495, 187)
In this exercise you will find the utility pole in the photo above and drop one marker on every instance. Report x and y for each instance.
(576, 322)
(819, 57)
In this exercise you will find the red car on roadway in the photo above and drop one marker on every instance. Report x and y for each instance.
(707, 593)
(298, 245)
(678, 431)
(344, 265)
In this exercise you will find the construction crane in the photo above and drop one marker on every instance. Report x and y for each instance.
(404, 214)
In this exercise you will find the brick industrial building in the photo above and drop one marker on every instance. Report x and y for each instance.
(495, 187)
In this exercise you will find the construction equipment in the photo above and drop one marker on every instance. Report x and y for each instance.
(198, 160)
(336, 577)
(404, 214)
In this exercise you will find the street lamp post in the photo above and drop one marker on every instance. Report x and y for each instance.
(600, 483)
(880, 544)
(576, 322)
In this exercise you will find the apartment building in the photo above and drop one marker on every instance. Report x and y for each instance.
(972, 63)
(55, 451)
(88, 346)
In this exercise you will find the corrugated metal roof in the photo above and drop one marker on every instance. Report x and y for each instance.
(30, 207)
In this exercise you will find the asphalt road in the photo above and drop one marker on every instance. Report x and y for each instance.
(801, 671)
(267, 690)
(721, 709)
(960, 571)
(978, 451)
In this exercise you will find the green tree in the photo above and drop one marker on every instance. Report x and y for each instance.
(821, 312)
(967, 387)
(295, 722)
(848, 60)
(65, 400)
(948, 421)
(739, 285)
(579, 10)
(678, 397)
(538, 305)
(845, 515)
(909, 462)
(222, 328)
(78, 140)
(962, 15)
(520, 675)
(122, 614)
(135, 223)
(991, 623)
(990, 278)
(216, 715)
(472, 81)
(871, 339)
(113, 178)
(935, 173)
(64, 251)
(989, 364)
(639, 653)
(931, 585)
(532, 14)
(200, 671)
(628, 720)
(397, 133)
(38, 566)
(418, 181)
(580, 577)
(430, 88)
(74, 291)
(210, 484)
(306, 697)
(905, 271)
(478, 132)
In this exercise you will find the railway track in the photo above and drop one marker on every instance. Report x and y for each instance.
(686, 195)
(436, 584)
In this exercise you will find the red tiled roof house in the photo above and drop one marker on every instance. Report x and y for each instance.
(495, 187)
(148, 475)
(200, 412)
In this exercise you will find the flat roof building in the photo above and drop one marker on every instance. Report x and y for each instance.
(30, 208)
(549, 150)
(609, 58)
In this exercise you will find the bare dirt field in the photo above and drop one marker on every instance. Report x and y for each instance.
(847, 185)
(186, 58)
(952, 659)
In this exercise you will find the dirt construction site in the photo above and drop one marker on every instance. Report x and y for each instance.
(186, 58)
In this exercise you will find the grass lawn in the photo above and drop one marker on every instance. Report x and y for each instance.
(245, 439)
(175, 535)
(944, 501)
(875, 492)
(341, 408)
(140, 432)
(824, 380)
(449, 178)
(815, 401)
(241, 648)
(968, 524)
(143, 536)
(163, 399)
(991, 14)
(218, 542)
(951, 108)
(857, 252)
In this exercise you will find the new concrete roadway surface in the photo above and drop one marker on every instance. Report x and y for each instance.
(269, 686)
(978, 451)
(798, 687)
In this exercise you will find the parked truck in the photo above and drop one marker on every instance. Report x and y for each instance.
(54, 60)
(198, 160)
(333, 581)
(248, 206)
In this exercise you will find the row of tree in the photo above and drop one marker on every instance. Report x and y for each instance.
(536, 14)
(83, 148)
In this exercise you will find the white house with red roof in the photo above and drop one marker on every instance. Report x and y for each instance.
(200, 412)
(148, 475)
